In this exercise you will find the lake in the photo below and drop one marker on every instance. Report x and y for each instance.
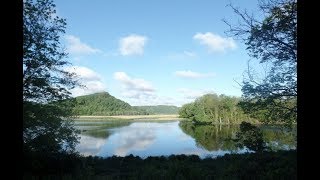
(121, 138)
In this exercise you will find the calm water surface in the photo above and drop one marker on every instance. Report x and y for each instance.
(165, 138)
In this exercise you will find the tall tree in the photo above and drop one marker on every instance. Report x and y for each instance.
(272, 40)
(47, 126)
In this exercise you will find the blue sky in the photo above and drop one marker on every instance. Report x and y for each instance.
(154, 52)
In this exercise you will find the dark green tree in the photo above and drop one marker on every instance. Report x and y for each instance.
(251, 137)
(272, 40)
(214, 109)
(47, 126)
(187, 111)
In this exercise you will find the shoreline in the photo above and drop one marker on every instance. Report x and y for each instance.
(166, 117)
(153, 117)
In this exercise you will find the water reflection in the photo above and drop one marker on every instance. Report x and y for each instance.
(155, 139)
(211, 138)
(141, 139)
(277, 138)
(90, 145)
(219, 137)
(136, 137)
(97, 133)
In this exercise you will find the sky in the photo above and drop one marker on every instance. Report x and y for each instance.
(161, 52)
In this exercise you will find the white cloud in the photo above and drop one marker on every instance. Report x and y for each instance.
(192, 75)
(133, 83)
(87, 77)
(214, 42)
(138, 92)
(135, 89)
(154, 100)
(76, 47)
(132, 45)
(190, 94)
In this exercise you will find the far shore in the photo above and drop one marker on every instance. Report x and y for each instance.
(165, 117)
(154, 117)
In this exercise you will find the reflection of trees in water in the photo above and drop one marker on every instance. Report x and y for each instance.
(219, 137)
(210, 137)
(102, 133)
(100, 130)
(277, 138)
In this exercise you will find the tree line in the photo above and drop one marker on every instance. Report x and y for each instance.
(160, 109)
(216, 109)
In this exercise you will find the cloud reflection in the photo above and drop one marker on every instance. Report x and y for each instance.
(136, 137)
(90, 146)
(139, 136)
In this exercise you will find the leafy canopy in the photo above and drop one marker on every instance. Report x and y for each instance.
(47, 126)
(215, 109)
(272, 40)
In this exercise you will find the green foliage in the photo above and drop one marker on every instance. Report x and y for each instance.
(187, 111)
(267, 165)
(47, 126)
(251, 137)
(271, 111)
(215, 109)
(159, 109)
(104, 104)
(272, 98)
(43, 76)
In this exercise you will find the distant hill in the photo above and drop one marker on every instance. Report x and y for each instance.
(160, 109)
(104, 104)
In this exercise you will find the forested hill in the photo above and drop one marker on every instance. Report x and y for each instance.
(104, 104)
(160, 109)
